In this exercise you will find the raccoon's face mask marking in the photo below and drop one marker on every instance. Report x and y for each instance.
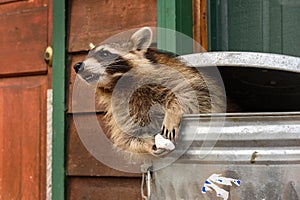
(106, 63)
(103, 55)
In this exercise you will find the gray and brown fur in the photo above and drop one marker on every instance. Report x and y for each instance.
(161, 89)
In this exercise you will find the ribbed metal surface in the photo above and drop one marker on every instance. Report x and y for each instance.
(261, 150)
(270, 137)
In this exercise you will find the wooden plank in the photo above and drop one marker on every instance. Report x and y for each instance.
(22, 138)
(79, 160)
(94, 21)
(200, 25)
(23, 40)
(104, 188)
(203, 22)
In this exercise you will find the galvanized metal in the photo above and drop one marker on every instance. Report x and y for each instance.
(262, 150)
(245, 59)
(270, 137)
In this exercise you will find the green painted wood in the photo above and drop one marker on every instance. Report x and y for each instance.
(253, 25)
(245, 25)
(184, 24)
(166, 10)
(272, 27)
(291, 28)
(175, 15)
(217, 25)
(58, 85)
(212, 25)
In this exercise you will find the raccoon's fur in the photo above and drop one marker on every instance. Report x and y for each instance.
(146, 91)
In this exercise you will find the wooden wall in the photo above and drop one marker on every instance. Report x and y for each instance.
(94, 21)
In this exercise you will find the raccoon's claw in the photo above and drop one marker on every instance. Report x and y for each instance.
(171, 134)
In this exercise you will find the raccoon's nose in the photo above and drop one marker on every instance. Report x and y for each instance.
(78, 67)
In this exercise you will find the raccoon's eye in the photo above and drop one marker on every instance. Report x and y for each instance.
(106, 55)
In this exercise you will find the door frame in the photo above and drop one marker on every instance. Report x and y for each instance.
(59, 99)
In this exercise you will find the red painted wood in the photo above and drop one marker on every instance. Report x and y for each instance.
(22, 48)
(22, 138)
(23, 39)
(17, 6)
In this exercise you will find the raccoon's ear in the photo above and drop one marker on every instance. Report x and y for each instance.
(141, 39)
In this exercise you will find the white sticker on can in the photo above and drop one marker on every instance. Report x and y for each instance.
(214, 179)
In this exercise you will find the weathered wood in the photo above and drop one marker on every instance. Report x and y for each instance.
(104, 188)
(22, 137)
(95, 21)
(79, 160)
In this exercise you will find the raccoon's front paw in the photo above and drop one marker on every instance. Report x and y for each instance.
(170, 128)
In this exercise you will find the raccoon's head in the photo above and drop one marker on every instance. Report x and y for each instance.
(106, 63)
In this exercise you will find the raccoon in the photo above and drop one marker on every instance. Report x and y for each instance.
(146, 91)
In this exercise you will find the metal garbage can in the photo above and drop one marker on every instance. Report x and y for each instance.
(257, 152)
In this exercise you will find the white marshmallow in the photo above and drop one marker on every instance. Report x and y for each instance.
(162, 143)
